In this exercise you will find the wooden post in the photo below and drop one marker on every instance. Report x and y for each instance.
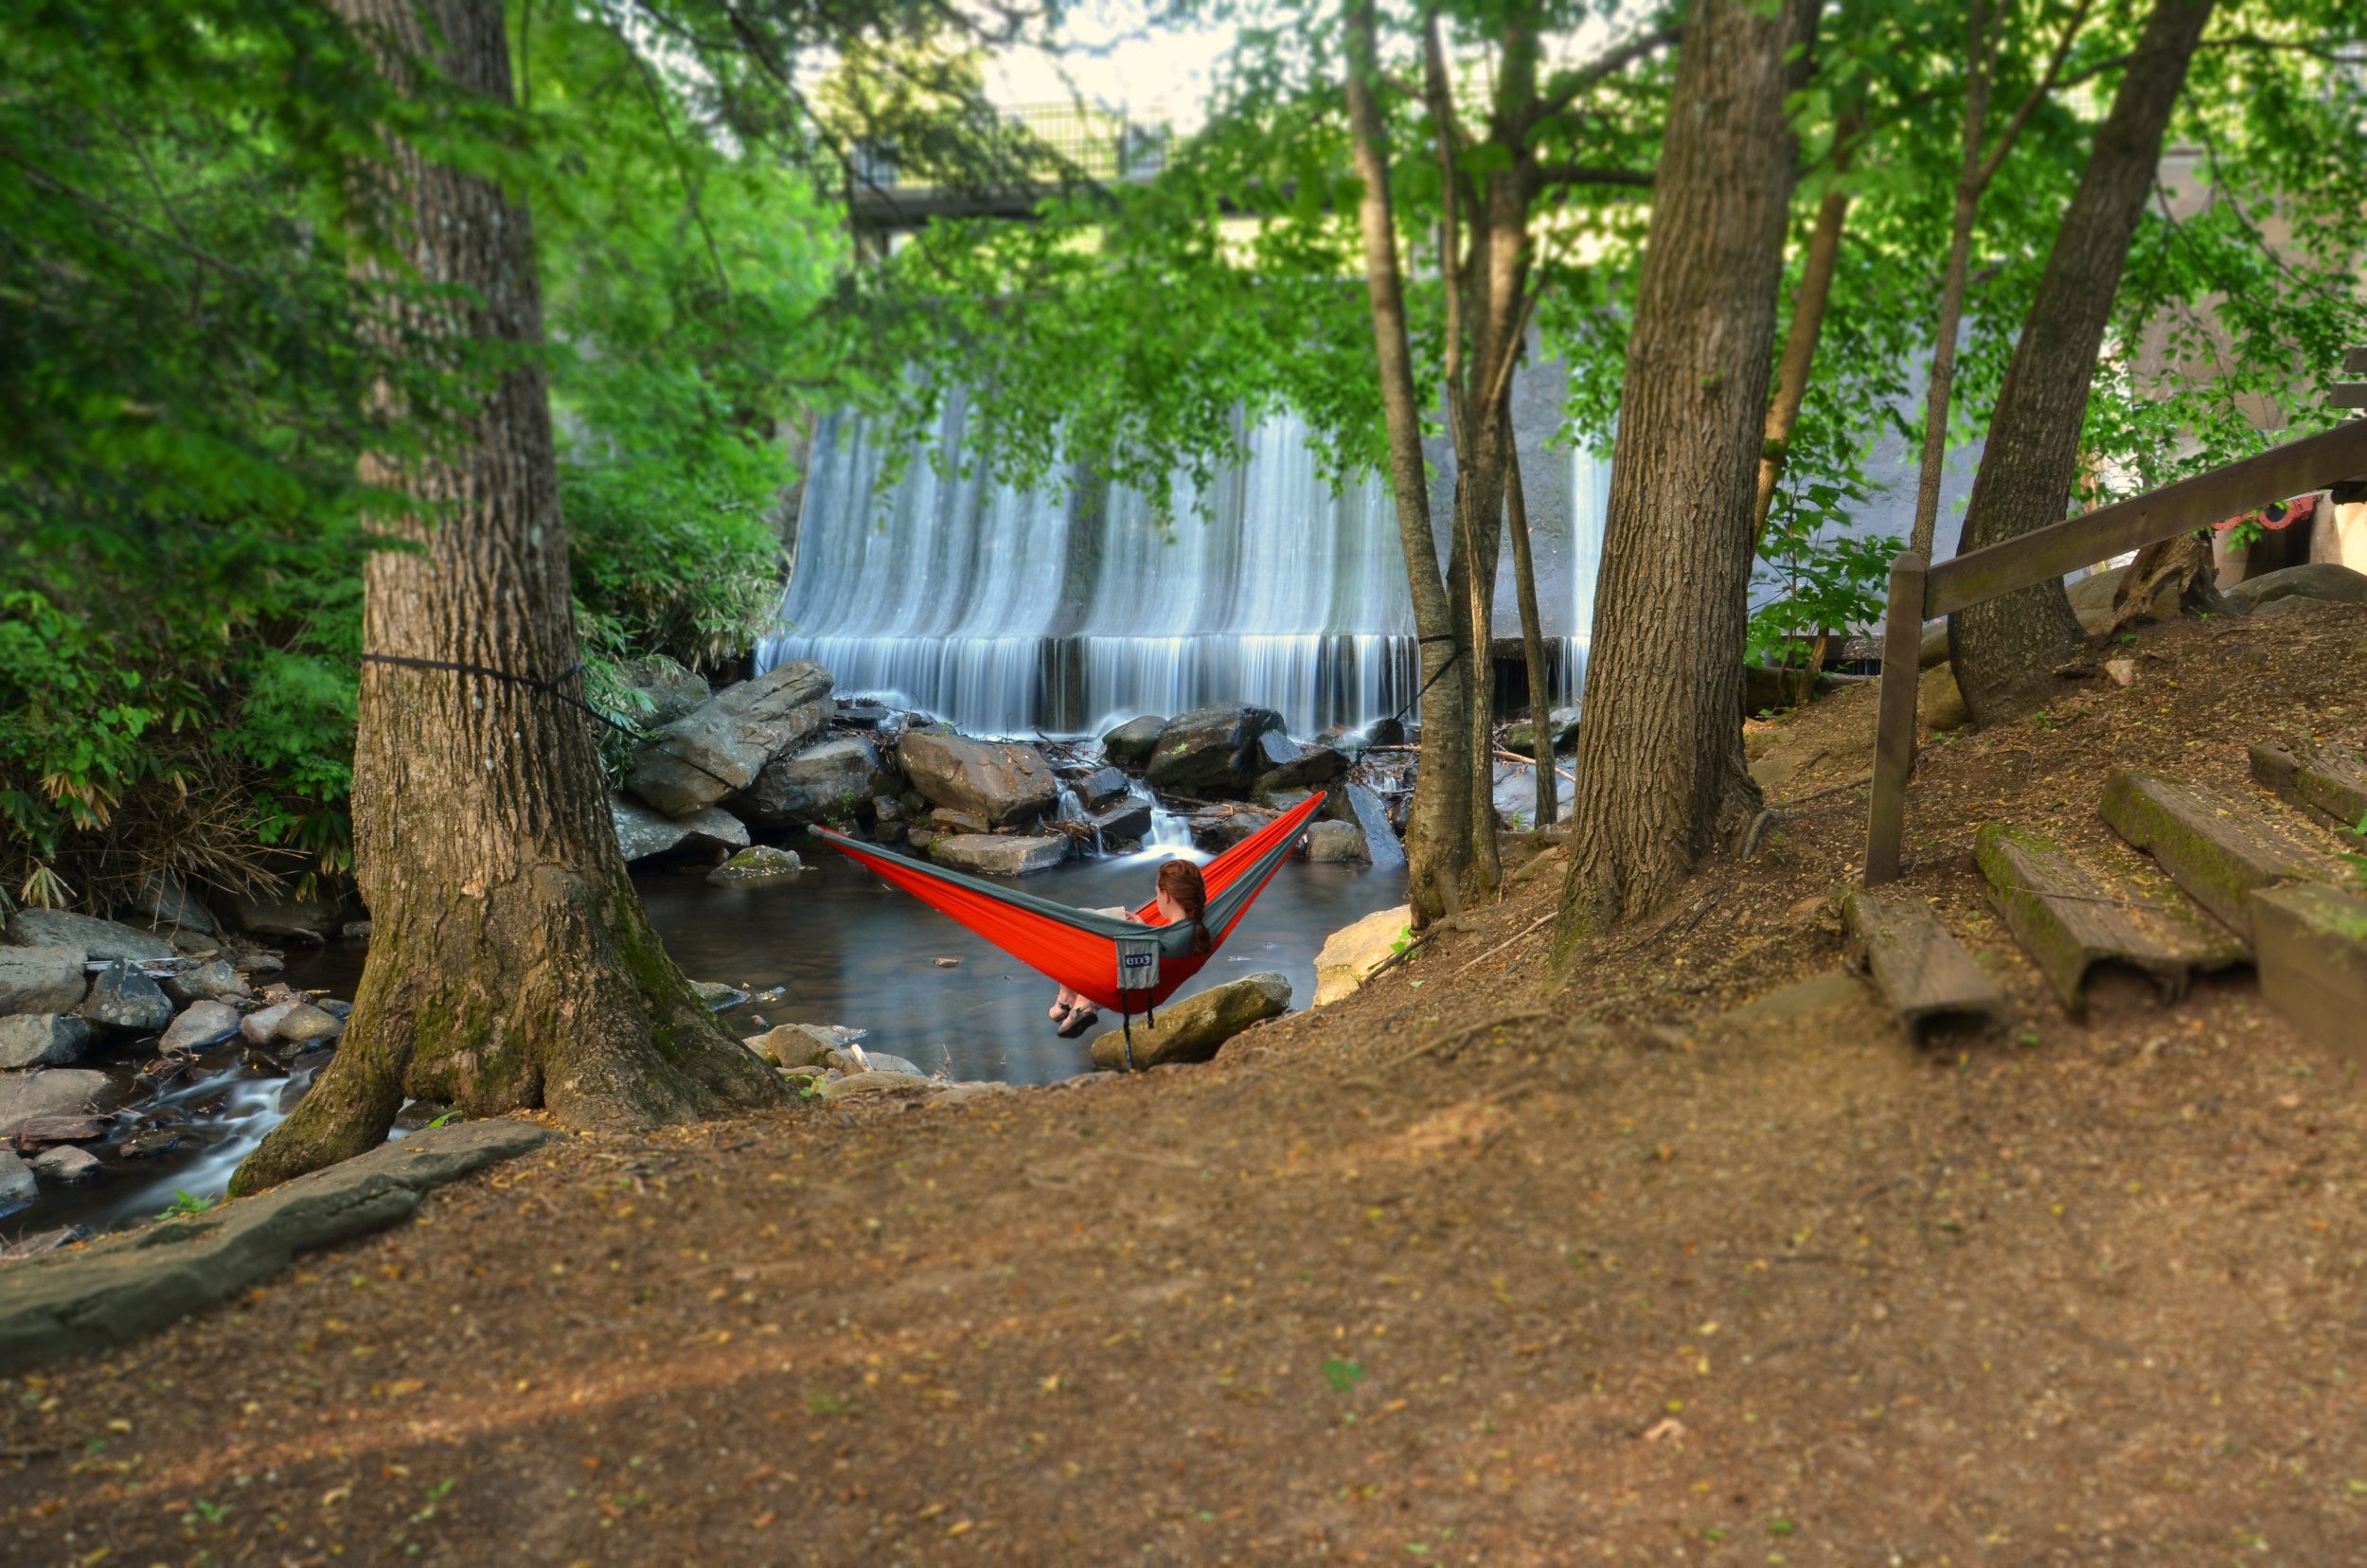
(1894, 731)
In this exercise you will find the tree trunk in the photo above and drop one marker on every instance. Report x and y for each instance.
(1807, 324)
(1437, 839)
(1660, 745)
(1532, 639)
(2005, 650)
(510, 966)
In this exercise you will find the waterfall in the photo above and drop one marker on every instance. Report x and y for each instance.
(1068, 611)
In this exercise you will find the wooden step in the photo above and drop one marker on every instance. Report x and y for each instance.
(2071, 922)
(1922, 972)
(2312, 942)
(2219, 853)
(2328, 782)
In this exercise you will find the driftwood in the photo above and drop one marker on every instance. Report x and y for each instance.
(2182, 560)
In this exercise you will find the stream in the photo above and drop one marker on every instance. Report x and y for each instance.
(840, 947)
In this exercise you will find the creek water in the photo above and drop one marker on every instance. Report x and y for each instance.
(838, 944)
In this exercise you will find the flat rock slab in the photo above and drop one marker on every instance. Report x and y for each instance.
(1923, 973)
(998, 854)
(51, 1092)
(2071, 922)
(2328, 782)
(2312, 945)
(2218, 854)
(90, 1297)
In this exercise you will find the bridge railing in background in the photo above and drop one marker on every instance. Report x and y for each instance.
(1008, 160)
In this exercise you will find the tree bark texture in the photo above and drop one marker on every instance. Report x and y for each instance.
(2005, 650)
(1437, 839)
(1532, 641)
(510, 965)
(1660, 777)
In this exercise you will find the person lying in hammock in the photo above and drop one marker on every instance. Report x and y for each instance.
(1183, 895)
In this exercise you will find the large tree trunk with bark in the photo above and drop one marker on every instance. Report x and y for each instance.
(1438, 837)
(2006, 651)
(1661, 778)
(510, 965)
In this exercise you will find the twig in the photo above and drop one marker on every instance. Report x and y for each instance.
(1531, 762)
(1501, 945)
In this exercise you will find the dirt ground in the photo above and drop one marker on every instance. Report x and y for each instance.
(1694, 1260)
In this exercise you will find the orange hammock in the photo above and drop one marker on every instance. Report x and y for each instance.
(1113, 962)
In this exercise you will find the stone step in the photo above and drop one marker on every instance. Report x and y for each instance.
(2312, 945)
(2328, 782)
(2219, 853)
(1922, 972)
(2071, 922)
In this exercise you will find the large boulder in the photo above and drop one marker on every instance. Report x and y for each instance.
(1336, 843)
(672, 690)
(124, 999)
(1351, 953)
(1381, 837)
(41, 979)
(821, 783)
(1102, 787)
(1194, 1029)
(1314, 768)
(56, 1091)
(202, 1024)
(1215, 751)
(41, 1039)
(725, 743)
(1940, 701)
(1220, 831)
(17, 1186)
(65, 1166)
(166, 901)
(999, 854)
(1002, 781)
(1128, 819)
(642, 832)
(2326, 581)
(1131, 743)
(1562, 723)
(99, 940)
(757, 862)
(214, 980)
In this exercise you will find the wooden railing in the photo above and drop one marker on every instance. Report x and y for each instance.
(1921, 592)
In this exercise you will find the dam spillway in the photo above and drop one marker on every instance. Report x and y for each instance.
(1068, 609)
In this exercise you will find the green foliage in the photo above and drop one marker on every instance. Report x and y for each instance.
(1342, 1375)
(186, 383)
(1827, 579)
(185, 1204)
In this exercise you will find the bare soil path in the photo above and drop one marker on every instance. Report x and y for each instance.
(1693, 1260)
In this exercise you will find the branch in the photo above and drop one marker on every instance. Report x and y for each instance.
(42, 176)
(2325, 49)
(1563, 88)
(2037, 95)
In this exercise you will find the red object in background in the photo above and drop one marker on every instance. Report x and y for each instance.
(2280, 514)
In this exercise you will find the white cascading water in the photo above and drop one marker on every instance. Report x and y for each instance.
(1008, 613)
